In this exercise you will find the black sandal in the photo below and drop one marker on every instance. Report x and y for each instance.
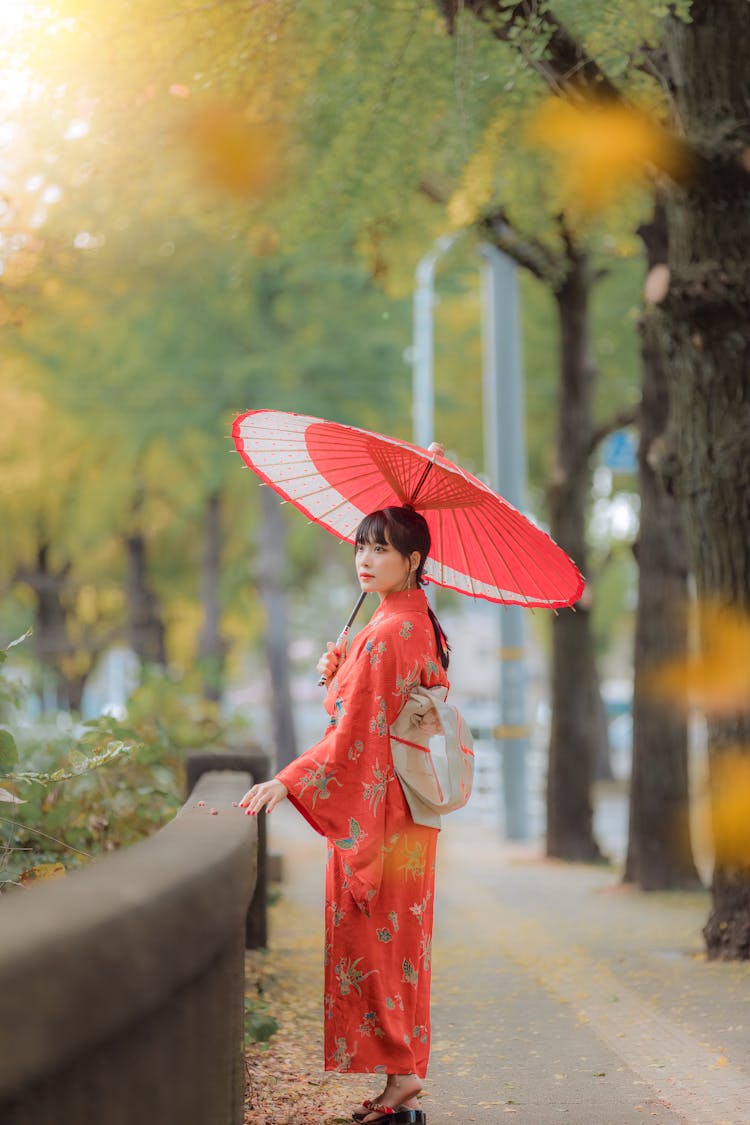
(390, 1116)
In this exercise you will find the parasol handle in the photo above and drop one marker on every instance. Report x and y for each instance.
(345, 632)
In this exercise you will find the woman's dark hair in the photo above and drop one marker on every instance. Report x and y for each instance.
(407, 531)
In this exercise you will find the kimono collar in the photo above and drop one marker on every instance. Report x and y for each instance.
(404, 601)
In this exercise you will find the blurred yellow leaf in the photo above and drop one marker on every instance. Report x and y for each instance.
(478, 178)
(603, 148)
(475, 193)
(41, 872)
(239, 155)
(716, 679)
(730, 807)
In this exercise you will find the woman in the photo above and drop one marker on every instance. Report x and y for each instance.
(380, 874)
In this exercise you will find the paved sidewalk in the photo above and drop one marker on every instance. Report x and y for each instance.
(559, 996)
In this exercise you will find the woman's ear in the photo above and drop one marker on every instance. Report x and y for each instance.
(414, 559)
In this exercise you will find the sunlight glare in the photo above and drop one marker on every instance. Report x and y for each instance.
(17, 83)
(13, 14)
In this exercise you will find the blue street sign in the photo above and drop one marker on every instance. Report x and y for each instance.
(620, 452)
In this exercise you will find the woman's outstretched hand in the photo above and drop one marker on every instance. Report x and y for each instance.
(269, 793)
(329, 663)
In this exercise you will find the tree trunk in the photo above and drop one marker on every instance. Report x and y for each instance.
(212, 647)
(704, 320)
(145, 625)
(52, 640)
(51, 627)
(659, 853)
(270, 571)
(575, 730)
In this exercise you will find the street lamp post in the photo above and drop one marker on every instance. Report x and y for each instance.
(505, 457)
(422, 354)
(423, 394)
(505, 463)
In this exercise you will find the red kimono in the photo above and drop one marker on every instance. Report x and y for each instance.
(380, 875)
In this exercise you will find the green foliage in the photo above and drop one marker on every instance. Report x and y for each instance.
(615, 33)
(178, 306)
(154, 367)
(73, 810)
(8, 750)
(95, 811)
(68, 808)
(75, 762)
(260, 1025)
(72, 761)
(154, 305)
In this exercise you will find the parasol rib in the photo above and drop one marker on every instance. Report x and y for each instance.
(532, 563)
(506, 564)
(460, 541)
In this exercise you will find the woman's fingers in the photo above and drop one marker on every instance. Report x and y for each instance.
(256, 801)
(277, 796)
(268, 793)
(329, 661)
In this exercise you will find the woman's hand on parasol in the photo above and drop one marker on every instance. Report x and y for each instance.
(329, 663)
(269, 793)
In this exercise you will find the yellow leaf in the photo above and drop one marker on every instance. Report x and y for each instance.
(602, 148)
(477, 181)
(234, 153)
(41, 872)
(730, 802)
(716, 678)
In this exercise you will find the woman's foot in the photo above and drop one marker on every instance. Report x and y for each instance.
(400, 1093)
(359, 1113)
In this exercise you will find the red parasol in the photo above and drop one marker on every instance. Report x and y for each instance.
(481, 545)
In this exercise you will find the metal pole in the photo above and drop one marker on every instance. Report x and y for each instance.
(505, 458)
(423, 393)
(423, 382)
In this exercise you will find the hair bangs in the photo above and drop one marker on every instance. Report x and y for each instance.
(372, 529)
(407, 531)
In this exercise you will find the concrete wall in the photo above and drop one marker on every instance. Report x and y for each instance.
(121, 985)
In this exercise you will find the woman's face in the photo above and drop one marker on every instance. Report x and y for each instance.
(382, 570)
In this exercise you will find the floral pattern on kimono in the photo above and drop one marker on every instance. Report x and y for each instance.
(381, 865)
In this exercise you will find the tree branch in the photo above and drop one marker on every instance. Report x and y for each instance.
(432, 191)
(496, 228)
(568, 70)
(564, 65)
(529, 253)
(628, 416)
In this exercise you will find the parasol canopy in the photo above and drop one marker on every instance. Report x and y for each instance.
(336, 475)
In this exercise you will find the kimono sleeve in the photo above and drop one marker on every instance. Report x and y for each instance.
(340, 784)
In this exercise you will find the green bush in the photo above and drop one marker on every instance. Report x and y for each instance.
(65, 809)
(260, 1025)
